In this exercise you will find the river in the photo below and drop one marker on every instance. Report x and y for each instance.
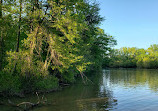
(112, 90)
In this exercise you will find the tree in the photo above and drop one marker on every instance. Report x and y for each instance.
(52, 39)
(134, 57)
(1, 39)
(19, 27)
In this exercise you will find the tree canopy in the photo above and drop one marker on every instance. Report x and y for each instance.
(49, 41)
(135, 57)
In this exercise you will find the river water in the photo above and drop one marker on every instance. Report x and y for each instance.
(112, 90)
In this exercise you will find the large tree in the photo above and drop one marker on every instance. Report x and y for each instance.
(59, 38)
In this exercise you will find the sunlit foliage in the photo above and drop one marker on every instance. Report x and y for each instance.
(134, 57)
(50, 40)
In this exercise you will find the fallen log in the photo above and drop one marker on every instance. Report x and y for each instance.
(26, 106)
(25, 103)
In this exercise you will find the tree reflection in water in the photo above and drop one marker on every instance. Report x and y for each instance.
(134, 78)
(80, 97)
(99, 96)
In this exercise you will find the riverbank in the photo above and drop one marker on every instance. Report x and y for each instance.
(113, 89)
(12, 85)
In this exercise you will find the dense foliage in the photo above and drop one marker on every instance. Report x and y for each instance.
(134, 57)
(46, 42)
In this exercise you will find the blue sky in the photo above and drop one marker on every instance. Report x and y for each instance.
(133, 23)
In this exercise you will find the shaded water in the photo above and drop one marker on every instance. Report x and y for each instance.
(114, 89)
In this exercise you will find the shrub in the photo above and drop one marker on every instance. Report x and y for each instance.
(9, 83)
(46, 83)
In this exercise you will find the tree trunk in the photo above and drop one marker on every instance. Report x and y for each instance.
(1, 8)
(19, 30)
(1, 36)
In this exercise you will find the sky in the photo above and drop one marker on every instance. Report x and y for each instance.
(133, 23)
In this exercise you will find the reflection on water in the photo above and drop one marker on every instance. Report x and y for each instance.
(92, 97)
(134, 78)
(114, 89)
(135, 89)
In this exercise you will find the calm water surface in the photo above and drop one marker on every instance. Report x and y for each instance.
(113, 90)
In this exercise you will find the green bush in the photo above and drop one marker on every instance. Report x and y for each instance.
(46, 83)
(9, 83)
(13, 84)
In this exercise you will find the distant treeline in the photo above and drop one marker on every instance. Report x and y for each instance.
(47, 42)
(134, 57)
